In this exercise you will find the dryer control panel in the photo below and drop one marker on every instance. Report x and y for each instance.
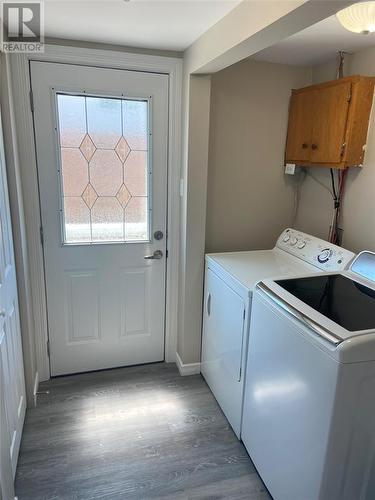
(314, 251)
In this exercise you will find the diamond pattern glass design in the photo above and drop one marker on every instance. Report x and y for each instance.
(104, 169)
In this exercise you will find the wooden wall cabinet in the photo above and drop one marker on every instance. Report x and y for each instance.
(328, 123)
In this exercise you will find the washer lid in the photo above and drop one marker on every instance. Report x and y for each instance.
(346, 302)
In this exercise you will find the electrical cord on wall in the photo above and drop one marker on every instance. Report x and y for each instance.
(338, 194)
(319, 182)
(340, 65)
(297, 193)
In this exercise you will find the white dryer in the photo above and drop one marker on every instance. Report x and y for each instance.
(229, 282)
(309, 408)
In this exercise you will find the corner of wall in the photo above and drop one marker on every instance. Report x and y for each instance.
(186, 369)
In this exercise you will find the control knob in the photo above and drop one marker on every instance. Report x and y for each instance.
(325, 255)
(301, 244)
(293, 240)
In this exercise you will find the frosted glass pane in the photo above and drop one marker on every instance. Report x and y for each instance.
(107, 219)
(76, 220)
(104, 121)
(135, 123)
(135, 173)
(136, 219)
(72, 119)
(106, 172)
(87, 147)
(89, 196)
(104, 169)
(74, 172)
(123, 195)
(122, 149)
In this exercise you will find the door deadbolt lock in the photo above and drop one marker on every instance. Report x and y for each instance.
(158, 235)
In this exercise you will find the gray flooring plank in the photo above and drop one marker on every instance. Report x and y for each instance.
(134, 433)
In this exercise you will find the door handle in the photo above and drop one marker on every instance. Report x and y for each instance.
(208, 306)
(158, 254)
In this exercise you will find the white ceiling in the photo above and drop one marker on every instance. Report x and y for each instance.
(316, 44)
(152, 24)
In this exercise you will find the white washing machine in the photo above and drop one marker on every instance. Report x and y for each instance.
(309, 407)
(229, 282)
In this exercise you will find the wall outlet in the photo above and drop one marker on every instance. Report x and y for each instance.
(290, 168)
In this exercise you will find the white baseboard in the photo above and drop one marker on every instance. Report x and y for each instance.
(36, 387)
(187, 368)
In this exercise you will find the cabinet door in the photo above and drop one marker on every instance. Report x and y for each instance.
(298, 145)
(223, 329)
(331, 105)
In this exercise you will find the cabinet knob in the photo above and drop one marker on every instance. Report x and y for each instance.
(305, 146)
(314, 146)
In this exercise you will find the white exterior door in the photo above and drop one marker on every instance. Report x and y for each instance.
(12, 383)
(101, 140)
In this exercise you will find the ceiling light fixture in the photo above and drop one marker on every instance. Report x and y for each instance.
(358, 18)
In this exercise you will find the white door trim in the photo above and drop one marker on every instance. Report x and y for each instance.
(25, 133)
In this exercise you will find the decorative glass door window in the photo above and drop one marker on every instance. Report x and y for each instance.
(104, 158)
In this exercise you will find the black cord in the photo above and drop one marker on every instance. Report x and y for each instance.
(336, 200)
(333, 185)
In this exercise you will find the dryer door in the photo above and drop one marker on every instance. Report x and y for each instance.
(222, 346)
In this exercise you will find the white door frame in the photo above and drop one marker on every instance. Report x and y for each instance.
(25, 134)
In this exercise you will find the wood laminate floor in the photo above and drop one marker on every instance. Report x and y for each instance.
(133, 433)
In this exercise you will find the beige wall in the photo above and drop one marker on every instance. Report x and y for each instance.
(359, 204)
(250, 199)
(193, 210)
